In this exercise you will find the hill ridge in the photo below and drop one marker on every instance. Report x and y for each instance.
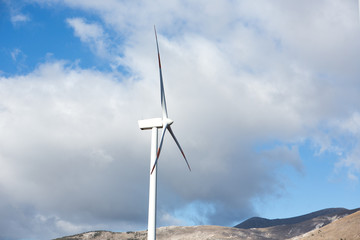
(316, 220)
(258, 222)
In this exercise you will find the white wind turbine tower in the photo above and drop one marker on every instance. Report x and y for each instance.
(154, 124)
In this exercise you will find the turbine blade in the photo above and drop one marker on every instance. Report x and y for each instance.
(163, 101)
(160, 145)
(178, 144)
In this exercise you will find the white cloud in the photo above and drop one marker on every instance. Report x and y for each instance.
(284, 154)
(343, 138)
(236, 76)
(352, 124)
(351, 162)
(62, 139)
(16, 17)
(15, 53)
(19, 18)
(86, 32)
(90, 33)
(68, 227)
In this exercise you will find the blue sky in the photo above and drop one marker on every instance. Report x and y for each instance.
(264, 95)
(45, 30)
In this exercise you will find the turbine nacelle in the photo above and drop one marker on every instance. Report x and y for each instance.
(154, 122)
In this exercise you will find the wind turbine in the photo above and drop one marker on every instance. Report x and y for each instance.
(153, 124)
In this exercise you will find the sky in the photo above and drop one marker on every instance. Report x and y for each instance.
(264, 96)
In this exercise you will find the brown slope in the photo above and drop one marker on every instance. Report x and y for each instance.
(346, 228)
(176, 233)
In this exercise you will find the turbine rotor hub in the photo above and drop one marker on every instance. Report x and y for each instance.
(167, 121)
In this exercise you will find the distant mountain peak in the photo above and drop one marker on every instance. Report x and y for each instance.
(258, 222)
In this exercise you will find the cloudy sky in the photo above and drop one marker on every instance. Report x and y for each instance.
(264, 94)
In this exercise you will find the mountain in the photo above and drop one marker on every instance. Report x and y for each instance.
(295, 226)
(333, 223)
(257, 222)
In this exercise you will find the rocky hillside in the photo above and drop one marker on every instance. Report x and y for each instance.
(257, 222)
(347, 228)
(290, 227)
(325, 224)
(174, 233)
